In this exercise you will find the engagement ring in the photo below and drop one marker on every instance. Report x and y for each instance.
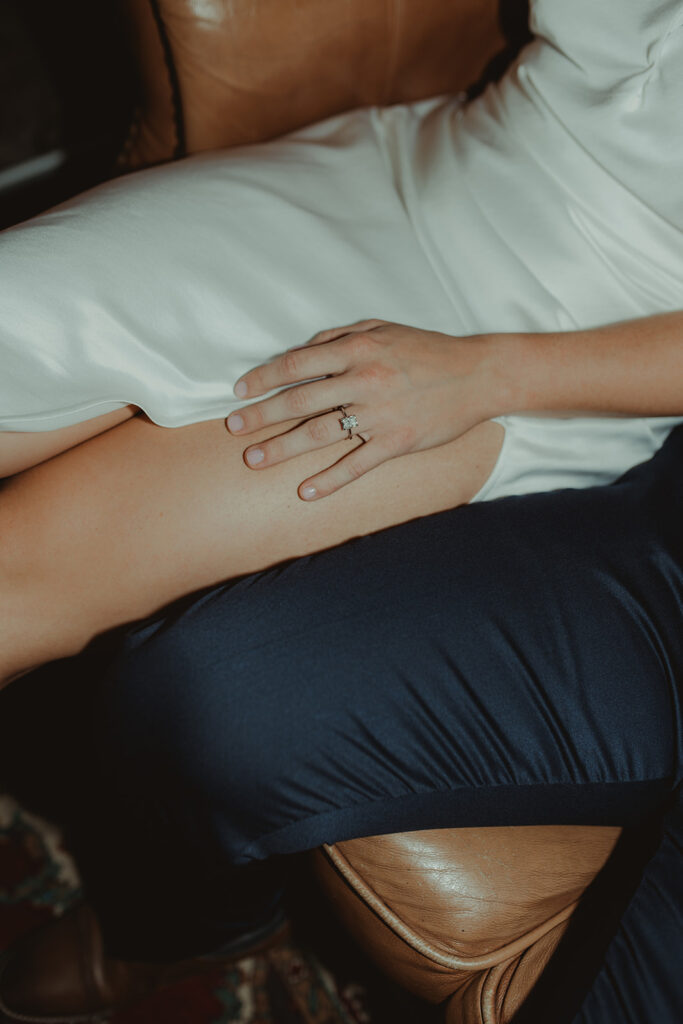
(348, 421)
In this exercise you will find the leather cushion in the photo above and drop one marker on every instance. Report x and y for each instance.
(439, 906)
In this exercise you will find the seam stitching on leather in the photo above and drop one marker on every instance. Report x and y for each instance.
(506, 973)
(394, 29)
(180, 147)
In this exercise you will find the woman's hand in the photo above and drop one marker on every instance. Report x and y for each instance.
(408, 389)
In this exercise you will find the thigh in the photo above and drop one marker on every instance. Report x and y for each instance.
(121, 525)
(513, 662)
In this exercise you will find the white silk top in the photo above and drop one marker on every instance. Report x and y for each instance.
(553, 201)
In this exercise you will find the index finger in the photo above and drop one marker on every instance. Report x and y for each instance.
(292, 367)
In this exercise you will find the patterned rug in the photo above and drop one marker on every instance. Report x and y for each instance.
(288, 984)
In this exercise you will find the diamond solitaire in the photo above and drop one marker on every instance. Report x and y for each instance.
(349, 422)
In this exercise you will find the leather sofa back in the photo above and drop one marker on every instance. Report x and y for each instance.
(218, 73)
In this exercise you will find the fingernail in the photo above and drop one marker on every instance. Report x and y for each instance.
(240, 389)
(235, 421)
(254, 456)
(308, 492)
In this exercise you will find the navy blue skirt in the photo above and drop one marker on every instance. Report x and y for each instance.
(513, 662)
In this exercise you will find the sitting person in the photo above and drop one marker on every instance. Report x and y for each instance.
(534, 235)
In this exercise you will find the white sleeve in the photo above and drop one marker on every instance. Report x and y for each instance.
(612, 72)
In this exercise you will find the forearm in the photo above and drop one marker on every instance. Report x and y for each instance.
(633, 368)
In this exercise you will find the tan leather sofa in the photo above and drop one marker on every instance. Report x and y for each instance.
(467, 918)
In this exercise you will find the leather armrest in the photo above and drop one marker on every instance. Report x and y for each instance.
(466, 915)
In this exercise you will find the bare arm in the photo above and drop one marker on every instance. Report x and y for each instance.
(634, 368)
